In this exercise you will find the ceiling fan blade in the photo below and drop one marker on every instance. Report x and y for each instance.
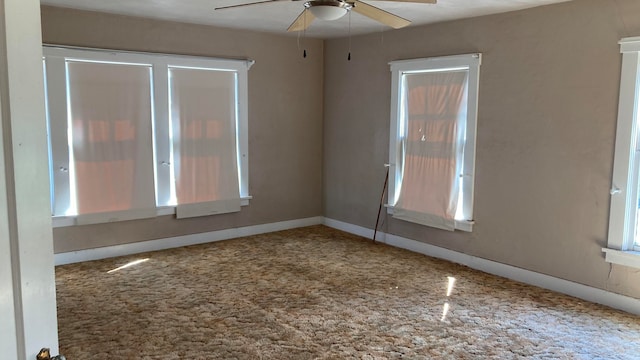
(247, 4)
(302, 22)
(380, 15)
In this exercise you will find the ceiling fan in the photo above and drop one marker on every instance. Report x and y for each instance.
(335, 9)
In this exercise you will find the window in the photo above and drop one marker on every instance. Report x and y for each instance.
(202, 114)
(623, 245)
(432, 142)
(136, 135)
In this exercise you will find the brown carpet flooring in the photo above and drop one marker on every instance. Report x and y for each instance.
(318, 293)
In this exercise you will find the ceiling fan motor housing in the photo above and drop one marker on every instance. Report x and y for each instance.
(328, 9)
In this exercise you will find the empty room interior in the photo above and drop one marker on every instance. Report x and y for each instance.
(216, 181)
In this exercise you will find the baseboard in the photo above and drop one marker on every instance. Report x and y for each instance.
(588, 293)
(178, 241)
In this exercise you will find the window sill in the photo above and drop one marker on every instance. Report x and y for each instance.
(64, 221)
(465, 225)
(461, 225)
(625, 258)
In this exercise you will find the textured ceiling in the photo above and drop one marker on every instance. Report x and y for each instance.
(275, 17)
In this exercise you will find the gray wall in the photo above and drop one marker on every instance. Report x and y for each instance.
(285, 118)
(549, 87)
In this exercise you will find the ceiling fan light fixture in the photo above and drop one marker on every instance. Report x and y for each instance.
(328, 10)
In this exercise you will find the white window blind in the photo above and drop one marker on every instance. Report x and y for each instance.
(434, 117)
(203, 120)
(110, 140)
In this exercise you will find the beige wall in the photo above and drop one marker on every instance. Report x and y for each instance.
(546, 126)
(285, 118)
(547, 116)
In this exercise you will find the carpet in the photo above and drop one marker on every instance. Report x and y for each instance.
(319, 293)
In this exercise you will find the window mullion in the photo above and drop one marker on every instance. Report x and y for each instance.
(470, 141)
(57, 106)
(242, 130)
(395, 138)
(162, 155)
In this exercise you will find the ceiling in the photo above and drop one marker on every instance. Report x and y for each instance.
(276, 17)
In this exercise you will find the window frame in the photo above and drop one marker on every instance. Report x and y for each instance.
(621, 242)
(470, 62)
(55, 58)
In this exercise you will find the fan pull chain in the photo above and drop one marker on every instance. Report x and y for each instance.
(304, 32)
(349, 55)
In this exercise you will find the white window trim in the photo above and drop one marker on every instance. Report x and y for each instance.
(624, 185)
(398, 68)
(56, 56)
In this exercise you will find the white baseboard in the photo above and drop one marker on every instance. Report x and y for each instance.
(178, 241)
(588, 293)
